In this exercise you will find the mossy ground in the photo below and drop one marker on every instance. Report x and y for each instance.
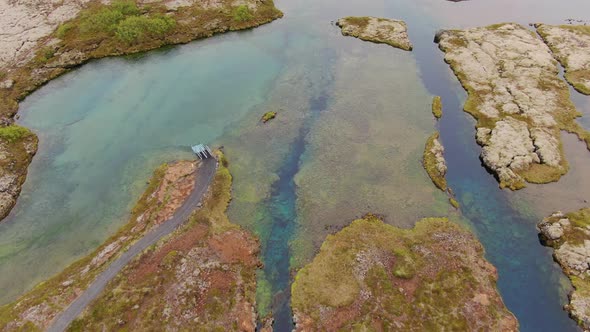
(372, 276)
(429, 163)
(437, 107)
(202, 277)
(53, 293)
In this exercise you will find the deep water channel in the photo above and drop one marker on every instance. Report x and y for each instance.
(353, 119)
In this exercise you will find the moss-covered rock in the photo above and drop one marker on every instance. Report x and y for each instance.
(519, 101)
(373, 276)
(569, 235)
(437, 107)
(377, 30)
(269, 116)
(571, 46)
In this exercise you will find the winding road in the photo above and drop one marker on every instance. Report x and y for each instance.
(204, 176)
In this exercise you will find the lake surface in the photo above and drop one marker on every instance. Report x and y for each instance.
(353, 120)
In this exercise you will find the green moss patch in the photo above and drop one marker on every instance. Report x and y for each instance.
(437, 107)
(268, 116)
(374, 275)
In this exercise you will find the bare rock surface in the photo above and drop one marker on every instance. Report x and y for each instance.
(24, 22)
(571, 46)
(569, 235)
(515, 93)
(378, 30)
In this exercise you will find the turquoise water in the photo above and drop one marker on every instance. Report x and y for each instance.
(353, 119)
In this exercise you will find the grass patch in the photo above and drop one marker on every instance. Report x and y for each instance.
(242, 14)
(14, 133)
(437, 107)
(360, 21)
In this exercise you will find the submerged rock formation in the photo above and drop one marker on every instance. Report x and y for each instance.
(515, 93)
(373, 276)
(378, 30)
(434, 162)
(571, 46)
(569, 235)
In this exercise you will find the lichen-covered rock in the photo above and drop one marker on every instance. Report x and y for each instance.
(373, 276)
(434, 161)
(378, 30)
(569, 235)
(571, 46)
(515, 93)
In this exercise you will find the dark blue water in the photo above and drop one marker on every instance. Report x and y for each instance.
(528, 279)
(283, 212)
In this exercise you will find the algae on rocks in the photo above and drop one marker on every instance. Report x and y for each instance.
(569, 236)
(519, 101)
(570, 45)
(371, 275)
(378, 30)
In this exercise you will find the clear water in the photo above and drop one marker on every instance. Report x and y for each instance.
(353, 119)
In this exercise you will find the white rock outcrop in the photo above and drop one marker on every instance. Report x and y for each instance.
(516, 94)
(571, 46)
(379, 30)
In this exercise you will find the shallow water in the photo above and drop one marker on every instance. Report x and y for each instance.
(353, 120)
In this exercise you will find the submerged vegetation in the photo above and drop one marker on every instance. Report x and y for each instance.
(268, 116)
(371, 275)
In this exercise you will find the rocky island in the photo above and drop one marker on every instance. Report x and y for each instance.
(200, 276)
(373, 276)
(45, 40)
(519, 101)
(571, 46)
(434, 162)
(569, 236)
(377, 30)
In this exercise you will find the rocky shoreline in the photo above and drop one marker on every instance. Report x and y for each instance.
(571, 46)
(375, 276)
(518, 99)
(377, 30)
(56, 39)
(569, 236)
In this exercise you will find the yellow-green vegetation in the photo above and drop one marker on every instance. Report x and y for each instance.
(53, 295)
(432, 162)
(373, 276)
(454, 202)
(269, 116)
(201, 278)
(437, 107)
(121, 27)
(568, 235)
(14, 133)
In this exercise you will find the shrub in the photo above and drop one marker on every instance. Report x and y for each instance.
(242, 13)
(134, 28)
(107, 18)
(63, 29)
(14, 133)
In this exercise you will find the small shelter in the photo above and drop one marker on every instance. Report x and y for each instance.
(202, 151)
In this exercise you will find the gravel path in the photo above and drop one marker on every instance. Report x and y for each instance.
(203, 178)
